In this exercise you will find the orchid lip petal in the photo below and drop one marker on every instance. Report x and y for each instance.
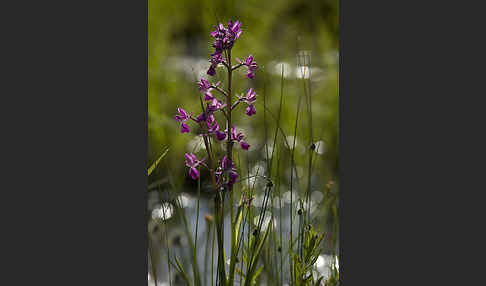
(185, 128)
(193, 173)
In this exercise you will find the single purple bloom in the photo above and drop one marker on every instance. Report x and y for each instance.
(219, 171)
(204, 85)
(251, 65)
(227, 44)
(208, 95)
(211, 71)
(193, 173)
(185, 128)
(227, 163)
(235, 28)
(182, 116)
(250, 96)
(218, 45)
(201, 117)
(210, 119)
(214, 33)
(233, 133)
(213, 127)
(244, 145)
(216, 59)
(250, 110)
(220, 135)
(192, 162)
(232, 177)
(236, 136)
(214, 105)
(239, 136)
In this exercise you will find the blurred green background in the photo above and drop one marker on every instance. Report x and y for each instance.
(274, 32)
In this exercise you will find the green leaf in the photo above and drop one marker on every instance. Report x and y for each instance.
(151, 169)
(253, 262)
(182, 271)
(255, 276)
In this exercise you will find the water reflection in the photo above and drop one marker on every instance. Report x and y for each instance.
(325, 263)
(320, 147)
(163, 211)
(267, 218)
(192, 67)
(186, 201)
(196, 67)
(196, 144)
(317, 196)
(179, 245)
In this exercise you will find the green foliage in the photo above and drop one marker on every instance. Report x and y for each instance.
(152, 168)
(303, 275)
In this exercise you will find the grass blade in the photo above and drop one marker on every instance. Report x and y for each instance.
(152, 168)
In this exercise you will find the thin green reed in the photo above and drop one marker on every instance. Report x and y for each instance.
(278, 171)
(212, 258)
(152, 261)
(267, 159)
(206, 254)
(180, 211)
(166, 234)
(280, 216)
(307, 93)
(292, 164)
(197, 209)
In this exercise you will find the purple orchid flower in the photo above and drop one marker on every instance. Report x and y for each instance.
(251, 64)
(210, 119)
(203, 85)
(213, 127)
(238, 137)
(219, 32)
(201, 117)
(244, 145)
(232, 177)
(216, 59)
(250, 110)
(211, 71)
(235, 29)
(206, 88)
(192, 162)
(252, 67)
(227, 166)
(182, 117)
(214, 105)
(250, 96)
(250, 99)
(220, 135)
